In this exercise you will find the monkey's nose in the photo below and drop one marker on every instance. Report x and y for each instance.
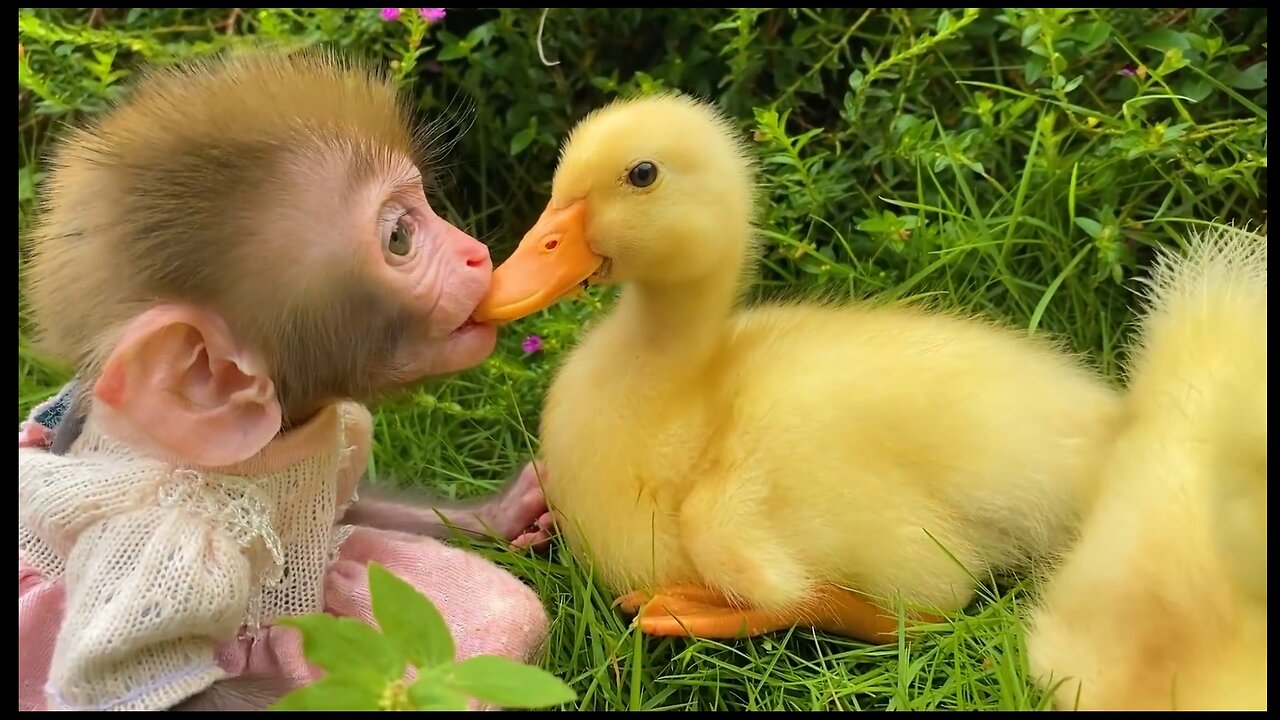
(476, 255)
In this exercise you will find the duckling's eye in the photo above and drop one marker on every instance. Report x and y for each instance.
(401, 242)
(643, 174)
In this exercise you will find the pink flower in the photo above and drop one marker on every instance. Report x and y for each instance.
(1127, 72)
(531, 345)
(390, 14)
(431, 14)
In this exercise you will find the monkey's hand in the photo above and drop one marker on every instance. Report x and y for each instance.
(520, 513)
(517, 513)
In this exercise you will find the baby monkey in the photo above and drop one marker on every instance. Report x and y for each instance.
(237, 259)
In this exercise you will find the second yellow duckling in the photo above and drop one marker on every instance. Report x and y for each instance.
(768, 467)
(1162, 604)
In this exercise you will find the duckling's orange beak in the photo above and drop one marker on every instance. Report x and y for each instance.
(551, 261)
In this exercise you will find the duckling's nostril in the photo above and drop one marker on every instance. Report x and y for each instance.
(551, 245)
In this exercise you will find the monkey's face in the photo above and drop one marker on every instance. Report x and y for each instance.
(380, 288)
(277, 193)
(437, 275)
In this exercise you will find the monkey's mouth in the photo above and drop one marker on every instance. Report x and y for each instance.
(601, 275)
(468, 326)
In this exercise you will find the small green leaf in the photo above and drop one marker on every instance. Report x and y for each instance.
(522, 140)
(1091, 34)
(333, 692)
(1030, 33)
(1252, 78)
(481, 34)
(346, 645)
(1034, 67)
(409, 620)
(510, 684)
(453, 51)
(429, 692)
(1164, 39)
(1090, 226)
(1194, 87)
(878, 224)
(945, 22)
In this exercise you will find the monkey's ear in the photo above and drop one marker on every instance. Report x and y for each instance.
(178, 382)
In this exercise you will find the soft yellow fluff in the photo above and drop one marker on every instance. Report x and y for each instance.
(763, 451)
(1163, 604)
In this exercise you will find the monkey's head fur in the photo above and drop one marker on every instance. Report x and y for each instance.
(265, 189)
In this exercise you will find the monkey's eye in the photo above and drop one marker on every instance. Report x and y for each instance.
(401, 242)
(643, 174)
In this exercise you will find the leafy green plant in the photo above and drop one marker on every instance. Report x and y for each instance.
(365, 666)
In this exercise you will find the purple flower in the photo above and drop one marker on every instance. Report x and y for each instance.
(391, 14)
(531, 345)
(1127, 72)
(431, 14)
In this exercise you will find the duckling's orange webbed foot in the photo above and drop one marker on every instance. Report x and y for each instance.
(686, 610)
(697, 611)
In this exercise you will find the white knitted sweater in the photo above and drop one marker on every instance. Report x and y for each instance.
(162, 563)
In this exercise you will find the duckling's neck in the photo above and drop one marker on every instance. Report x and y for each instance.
(682, 323)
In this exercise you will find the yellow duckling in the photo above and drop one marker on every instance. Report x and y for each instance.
(768, 467)
(1162, 605)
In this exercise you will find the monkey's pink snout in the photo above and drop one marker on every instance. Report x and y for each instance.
(479, 258)
(474, 253)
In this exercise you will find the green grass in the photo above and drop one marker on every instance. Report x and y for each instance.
(1018, 162)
